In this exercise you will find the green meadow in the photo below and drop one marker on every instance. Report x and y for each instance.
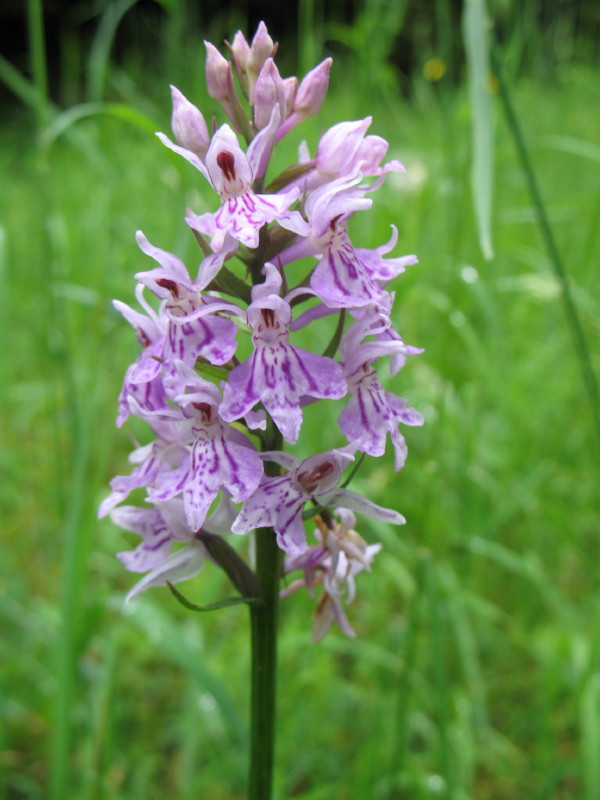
(475, 673)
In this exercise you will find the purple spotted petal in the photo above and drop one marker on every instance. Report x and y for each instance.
(280, 377)
(243, 216)
(366, 420)
(356, 502)
(142, 385)
(340, 279)
(145, 474)
(218, 463)
(151, 526)
(171, 268)
(228, 167)
(276, 503)
(170, 483)
(180, 566)
(210, 337)
(383, 269)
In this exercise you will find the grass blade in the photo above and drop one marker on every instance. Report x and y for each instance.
(30, 96)
(576, 146)
(482, 135)
(163, 629)
(573, 320)
(63, 122)
(4, 308)
(75, 557)
(100, 53)
(589, 713)
(37, 52)
(441, 680)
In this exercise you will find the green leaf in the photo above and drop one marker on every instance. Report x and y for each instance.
(63, 121)
(231, 601)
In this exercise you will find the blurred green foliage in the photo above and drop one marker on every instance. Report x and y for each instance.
(475, 673)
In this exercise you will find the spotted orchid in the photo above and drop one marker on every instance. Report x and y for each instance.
(229, 365)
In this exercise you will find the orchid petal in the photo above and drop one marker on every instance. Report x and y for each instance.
(179, 566)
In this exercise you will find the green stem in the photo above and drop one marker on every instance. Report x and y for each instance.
(263, 618)
(573, 320)
(263, 624)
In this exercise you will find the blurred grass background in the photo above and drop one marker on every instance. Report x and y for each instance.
(476, 669)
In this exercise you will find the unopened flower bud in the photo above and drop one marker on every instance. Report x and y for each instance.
(262, 48)
(313, 89)
(309, 97)
(290, 86)
(268, 92)
(240, 53)
(219, 80)
(218, 74)
(189, 125)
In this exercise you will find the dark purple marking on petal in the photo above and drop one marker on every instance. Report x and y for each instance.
(156, 545)
(171, 286)
(248, 201)
(300, 365)
(310, 479)
(268, 315)
(286, 369)
(226, 163)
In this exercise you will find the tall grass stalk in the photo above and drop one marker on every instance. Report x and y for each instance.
(404, 692)
(73, 498)
(70, 604)
(32, 97)
(4, 306)
(438, 621)
(37, 54)
(309, 33)
(573, 320)
(99, 60)
(482, 134)
(589, 712)
(3, 745)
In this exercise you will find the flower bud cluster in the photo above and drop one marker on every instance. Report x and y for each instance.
(202, 472)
